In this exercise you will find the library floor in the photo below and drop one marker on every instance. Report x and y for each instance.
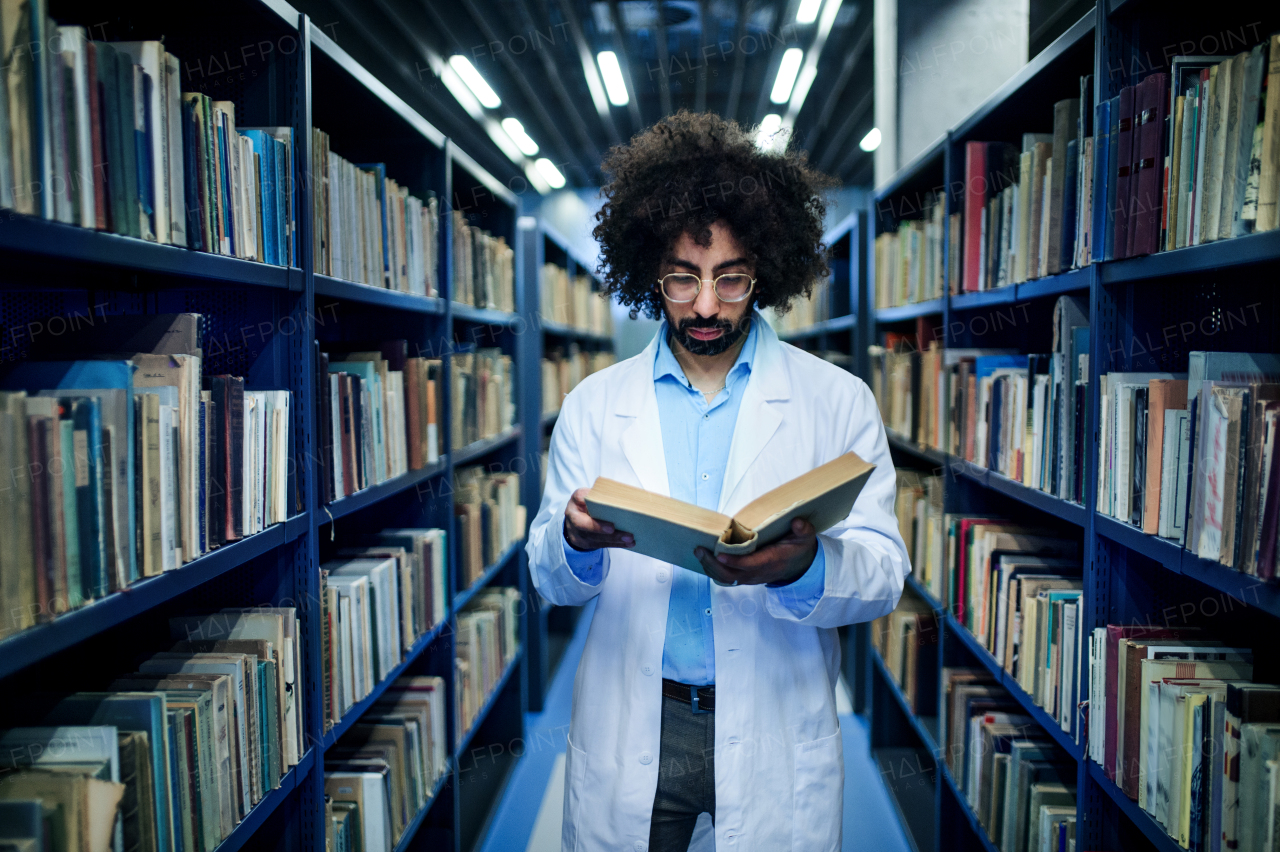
(529, 815)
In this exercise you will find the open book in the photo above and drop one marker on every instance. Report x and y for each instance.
(668, 529)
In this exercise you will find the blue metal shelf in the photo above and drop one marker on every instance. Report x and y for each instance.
(44, 640)
(1054, 285)
(843, 323)
(478, 449)
(1167, 553)
(969, 815)
(984, 298)
(358, 709)
(934, 457)
(1223, 254)
(1142, 820)
(926, 736)
(464, 597)
(911, 311)
(925, 595)
(560, 329)
(484, 316)
(915, 169)
(243, 832)
(380, 296)
(414, 824)
(368, 496)
(490, 700)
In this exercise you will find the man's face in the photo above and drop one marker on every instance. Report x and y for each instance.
(707, 326)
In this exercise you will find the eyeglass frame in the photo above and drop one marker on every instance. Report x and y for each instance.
(663, 289)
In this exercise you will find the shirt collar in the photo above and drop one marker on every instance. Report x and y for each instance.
(665, 363)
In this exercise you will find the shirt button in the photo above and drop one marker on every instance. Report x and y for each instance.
(707, 611)
(706, 417)
(733, 740)
(640, 844)
(704, 476)
(646, 758)
(648, 670)
(662, 576)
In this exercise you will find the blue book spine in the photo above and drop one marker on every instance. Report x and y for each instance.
(380, 170)
(280, 159)
(1101, 177)
(263, 150)
(1113, 154)
(228, 215)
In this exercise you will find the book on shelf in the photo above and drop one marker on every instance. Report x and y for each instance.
(1014, 778)
(175, 754)
(132, 468)
(570, 300)
(918, 505)
(564, 367)
(807, 311)
(384, 769)
(909, 259)
(368, 228)
(490, 516)
(486, 644)
(907, 641)
(483, 390)
(668, 529)
(379, 413)
(483, 269)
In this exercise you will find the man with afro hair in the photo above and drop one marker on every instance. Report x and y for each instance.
(712, 693)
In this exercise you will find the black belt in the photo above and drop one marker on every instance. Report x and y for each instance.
(701, 698)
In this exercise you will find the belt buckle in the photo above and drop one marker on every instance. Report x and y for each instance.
(693, 696)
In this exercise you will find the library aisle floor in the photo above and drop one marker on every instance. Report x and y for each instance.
(529, 815)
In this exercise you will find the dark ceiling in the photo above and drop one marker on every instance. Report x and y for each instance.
(719, 55)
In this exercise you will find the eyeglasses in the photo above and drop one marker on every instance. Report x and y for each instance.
(685, 286)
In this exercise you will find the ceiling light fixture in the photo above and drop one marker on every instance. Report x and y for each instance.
(549, 171)
(771, 124)
(808, 11)
(871, 141)
(614, 85)
(787, 70)
(486, 95)
(519, 136)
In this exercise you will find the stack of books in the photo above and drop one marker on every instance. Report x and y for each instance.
(563, 369)
(1012, 775)
(488, 640)
(377, 600)
(171, 756)
(98, 134)
(379, 415)
(1177, 724)
(908, 260)
(490, 516)
(907, 641)
(384, 769)
(129, 468)
(1020, 415)
(1028, 209)
(483, 268)
(569, 300)
(368, 228)
(483, 390)
(1017, 590)
(921, 523)
(1190, 456)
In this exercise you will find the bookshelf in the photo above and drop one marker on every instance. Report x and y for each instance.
(548, 628)
(263, 322)
(1129, 577)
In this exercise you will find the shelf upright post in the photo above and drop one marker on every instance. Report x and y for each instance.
(533, 254)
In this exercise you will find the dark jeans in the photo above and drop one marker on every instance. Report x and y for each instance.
(686, 776)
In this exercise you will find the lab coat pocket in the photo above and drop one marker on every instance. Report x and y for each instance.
(575, 781)
(818, 808)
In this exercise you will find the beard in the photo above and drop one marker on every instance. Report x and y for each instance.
(733, 332)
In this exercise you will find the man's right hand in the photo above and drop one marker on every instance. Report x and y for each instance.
(585, 533)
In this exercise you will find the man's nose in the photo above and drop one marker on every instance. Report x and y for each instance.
(706, 304)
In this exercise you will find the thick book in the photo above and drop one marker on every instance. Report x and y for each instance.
(668, 529)
(1124, 173)
(1164, 394)
(1147, 169)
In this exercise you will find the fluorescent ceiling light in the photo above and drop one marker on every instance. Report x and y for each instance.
(771, 124)
(487, 96)
(871, 141)
(613, 82)
(502, 140)
(460, 92)
(549, 171)
(808, 11)
(536, 180)
(518, 135)
(787, 71)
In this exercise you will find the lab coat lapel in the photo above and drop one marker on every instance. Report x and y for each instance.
(761, 412)
(642, 440)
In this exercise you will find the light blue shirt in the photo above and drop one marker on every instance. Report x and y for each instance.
(696, 437)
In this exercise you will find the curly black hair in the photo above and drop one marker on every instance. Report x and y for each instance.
(690, 170)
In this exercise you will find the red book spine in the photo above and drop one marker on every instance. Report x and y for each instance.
(975, 198)
(1124, 169)
(1148, 164)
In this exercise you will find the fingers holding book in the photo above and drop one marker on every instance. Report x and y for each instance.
(783, 561)
(584, 532)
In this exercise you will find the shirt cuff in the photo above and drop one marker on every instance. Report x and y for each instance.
(585, 564)
(802, 595)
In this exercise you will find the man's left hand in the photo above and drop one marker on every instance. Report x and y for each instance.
(784, 561)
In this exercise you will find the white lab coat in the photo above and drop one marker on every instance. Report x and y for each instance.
(778, 756)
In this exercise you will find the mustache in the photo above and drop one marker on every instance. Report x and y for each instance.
(705, 322)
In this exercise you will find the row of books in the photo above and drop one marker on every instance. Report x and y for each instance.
(483, 267)
(384, 769)
(487, 643)
(909, 259)
(172, 756)
(1019, 785)
(918, 505)
(484, 395)
(1177, 724)
(122, 466)
(1191, 456)
(815, 308)
(563, 369)
(98, 134)
(379, 413)
(379, 598)
(368, 228)
(490, 516)
(1020, 415)
(570, 300)
(907, 641)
